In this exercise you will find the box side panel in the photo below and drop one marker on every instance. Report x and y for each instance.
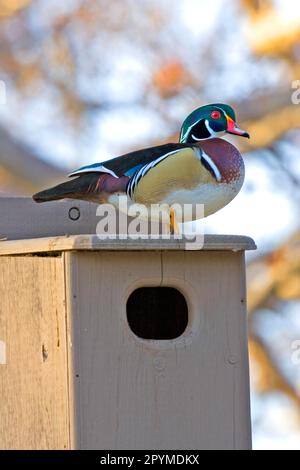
(220, 293)
(191, 392)
(33, 379)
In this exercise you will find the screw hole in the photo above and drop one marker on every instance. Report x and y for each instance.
(74, 213)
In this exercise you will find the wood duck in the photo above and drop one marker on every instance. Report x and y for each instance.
(200, 169)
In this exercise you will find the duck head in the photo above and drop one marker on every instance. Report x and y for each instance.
(210, 121)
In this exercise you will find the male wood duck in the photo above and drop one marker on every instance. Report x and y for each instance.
(200, 169)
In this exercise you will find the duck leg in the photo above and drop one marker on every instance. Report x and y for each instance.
(174, 227)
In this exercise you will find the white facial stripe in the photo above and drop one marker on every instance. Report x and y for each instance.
(211, 131)
(212, 165)
(196, 138)
(187, 132)
(207, 127)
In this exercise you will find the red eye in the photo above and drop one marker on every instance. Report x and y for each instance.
(216, 114)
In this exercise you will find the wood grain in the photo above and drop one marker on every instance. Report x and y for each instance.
(22, 218)
(34, 404)
(191, 392)
(92, 242)
(22, 221)
(75, 375)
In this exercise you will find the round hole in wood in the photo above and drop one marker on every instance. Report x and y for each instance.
(74, 213)
(157, 313)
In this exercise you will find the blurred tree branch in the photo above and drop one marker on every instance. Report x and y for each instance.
(272, 278)
(21, 169)
(270, 377)
(275, 273)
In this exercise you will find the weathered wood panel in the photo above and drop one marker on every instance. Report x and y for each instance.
(191, 392)
(92, 242)
(21, 218)
(33, 382)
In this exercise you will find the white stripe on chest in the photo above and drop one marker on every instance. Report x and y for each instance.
(212, 165)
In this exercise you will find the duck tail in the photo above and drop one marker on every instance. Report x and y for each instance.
(89, 186)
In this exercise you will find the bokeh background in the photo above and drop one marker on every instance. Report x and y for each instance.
(85, 80)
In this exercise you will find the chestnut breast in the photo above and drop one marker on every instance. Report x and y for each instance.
(226, 157)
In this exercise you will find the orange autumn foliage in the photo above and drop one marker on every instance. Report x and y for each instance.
(170, 79)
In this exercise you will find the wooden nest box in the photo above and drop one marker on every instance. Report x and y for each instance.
(119, 344)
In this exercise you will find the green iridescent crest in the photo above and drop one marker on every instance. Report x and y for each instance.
(217, 122)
